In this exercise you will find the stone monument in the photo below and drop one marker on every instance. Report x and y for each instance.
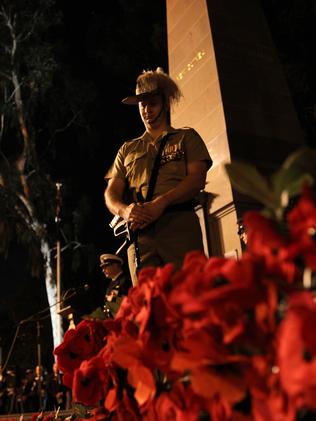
(235, 95)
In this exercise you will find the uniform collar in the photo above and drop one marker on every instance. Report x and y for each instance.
(146, 136)
(116, 276)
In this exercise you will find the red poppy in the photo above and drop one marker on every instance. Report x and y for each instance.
(90, 381)
(80, 344)
(269, 402)
(161, 276)
(68, 378)
(297, 350)
(266, 242)
(160, 336)
(219, 298)
(114, 388)
(182, 404)
(192, 260)
(213, 280)
(302, 225)
(265, 310)
(228, 383)
(139, 302)
(127, 409)
(155, 319)
(128, 353)
(120, 326)
(200, 347)
(273, 407)
(193, 343)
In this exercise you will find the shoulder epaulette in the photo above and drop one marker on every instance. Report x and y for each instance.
(133, 140)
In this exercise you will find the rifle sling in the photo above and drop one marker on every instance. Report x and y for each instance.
(155, 170)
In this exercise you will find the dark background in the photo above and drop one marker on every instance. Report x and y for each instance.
(102, 47)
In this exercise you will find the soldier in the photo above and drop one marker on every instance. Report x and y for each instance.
(112, 268)
(160, 212)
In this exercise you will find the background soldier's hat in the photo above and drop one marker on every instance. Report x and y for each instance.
(105, 258)
(151, 83)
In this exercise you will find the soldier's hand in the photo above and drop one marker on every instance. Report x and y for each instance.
(138, 216)
(154, 209)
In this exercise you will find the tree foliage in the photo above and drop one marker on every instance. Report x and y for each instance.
(27, 67)
(43, 105)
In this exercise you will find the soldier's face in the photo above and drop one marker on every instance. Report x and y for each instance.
(110, 269)
(152, 111)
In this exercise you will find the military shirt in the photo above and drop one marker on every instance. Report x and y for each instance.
(120, 284)
(135, 158)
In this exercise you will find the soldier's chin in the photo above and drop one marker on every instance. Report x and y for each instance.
(152, 120)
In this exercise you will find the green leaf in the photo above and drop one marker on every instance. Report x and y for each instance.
(290, 180)
(304, 158)
(82, 411)
(247, 180)
(298, 168)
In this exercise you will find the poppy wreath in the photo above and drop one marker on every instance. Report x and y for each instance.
(222, 338)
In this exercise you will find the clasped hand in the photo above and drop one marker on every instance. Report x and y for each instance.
(139, 215)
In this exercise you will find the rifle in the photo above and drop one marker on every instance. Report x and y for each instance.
(121, 229)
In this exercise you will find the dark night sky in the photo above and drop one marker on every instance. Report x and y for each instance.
(124, 35)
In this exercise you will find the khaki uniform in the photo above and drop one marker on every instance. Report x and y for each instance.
(177, 231)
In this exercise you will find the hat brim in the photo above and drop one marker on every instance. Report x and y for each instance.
(135, 99)
(111, 260)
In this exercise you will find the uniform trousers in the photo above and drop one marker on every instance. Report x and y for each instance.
(167, 240)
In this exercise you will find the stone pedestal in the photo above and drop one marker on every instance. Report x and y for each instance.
(235, 95)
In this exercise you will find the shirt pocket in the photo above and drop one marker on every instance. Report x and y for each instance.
(173, 160)
(135, 165)
(174, 169)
